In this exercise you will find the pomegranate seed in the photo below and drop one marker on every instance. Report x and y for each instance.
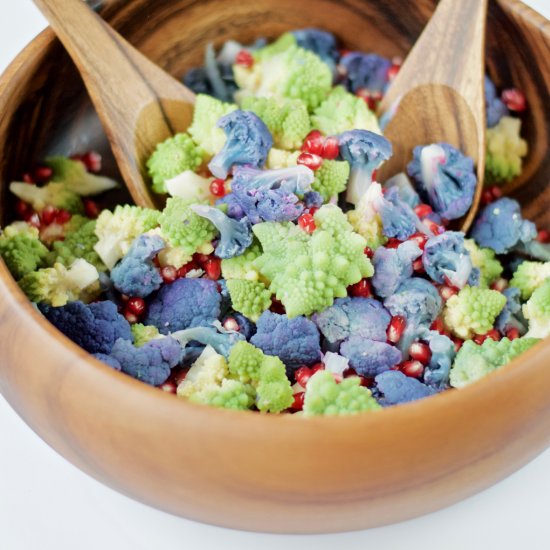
(314, 143)
(92, 161)
(446, 291)
(313, 162)
(543, 236)
(27, 178)
(201, 259)
(421, 352)
(512, 333)
(245, 59)
(156, 262)
(277, 307)
(132, 318)
(213, 268)
(169, 387)
(62, 216)
(514, 99)
(302, 375)
(178, 375)
(413, 369)
(496, 191)
(438, 326)
(395, 328)
(298, 403)
(434, 227)
(231, 324)
(312, 210)
(423, 210)
(169, 274)
(362, 289)
(369, 252)
(393, 243)
(217, 187)
(371, 97)
(457, 342)
(366, 381)
(331, 148)
(486, 197)
(185, 269)
(418, 266)
(23, 209)
(33, 219)
(307, 223)
(317, 367)
(91, 208)
(493, 334)
(42, 174)
(420, 238)
(500, 284)
(136, 305)
(48, 214)
(393, 70)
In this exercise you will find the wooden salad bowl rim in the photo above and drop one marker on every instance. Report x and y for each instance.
(278, 473)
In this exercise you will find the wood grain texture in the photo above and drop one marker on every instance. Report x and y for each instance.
(246, 470)
(438, 95)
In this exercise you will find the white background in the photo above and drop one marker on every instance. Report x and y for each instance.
(47, 504)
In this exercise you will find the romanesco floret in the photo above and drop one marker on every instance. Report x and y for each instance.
(529, 276)
(54, 194)
(474, 361)
(251, 298)
(484, 259)
(58, 285)
(473, 311)
(203, 129)
(331, 178)
(324, 396)
(242, 267)
(288, 121)
(208, 370)
(537, 311)
(116, 230)
(21, 249)
(342, 111)
(172, 157)
(505, 151)
(144, 333)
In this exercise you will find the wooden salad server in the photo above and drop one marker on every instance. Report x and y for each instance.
(438, 95)
(138, 103)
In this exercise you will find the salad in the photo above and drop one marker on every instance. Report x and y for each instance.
(281, 276)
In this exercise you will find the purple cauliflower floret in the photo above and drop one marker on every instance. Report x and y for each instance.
(436, 373)
(392, 266)
(248, 142)
(246, 327)
(364, 317)
(94, 327)
(183, 304)
(512, 315)
(398, 218)
(501, 227)
(109, 361)
(321, 43)
(135, 274)
(447, 261)
(312, 199)
(222, 342)
(296, 341)
(445, 178)
(150, 363)
(365, 151)
(495, 109)
(406, 190)
(364, 70)
(395, 388)
(369, 357)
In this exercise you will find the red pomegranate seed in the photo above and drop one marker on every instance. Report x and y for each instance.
(362, 289)
(421, 352)
(493, 334)
(298, 403)
(217, 187)
(543, 236)
(500, 284)
(331, 149)
(394, 69)
(317, 367)
(169, 274)
(393, 243)
(418, 266)
(486, 197)
(313, 162)
(62, 216)
(413, 369)
(213, 268)
(312, 210)
(307, 223)
(48, 214)
(23, 209)
(371, 97)
(33, 219)
(369, 252)
(201, 259)
(514, 99)
(42, 174)
(496, 191)
(277, 307)
(91, 208)
(136, 305)
(27, 178)
(231, 324)
(458, 342)
(185, 269)
(438, 326)
(302, 375)
(434, 227)
(512, 333)
(423, 210)
(245, 59)
(420, 238)
(314, 143)
(132, 318)
(169, 387)
(446, 291)
(178, 375)
(92, 161)
(395, 329)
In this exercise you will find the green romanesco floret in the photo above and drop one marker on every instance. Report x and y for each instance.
(331, 178)
(58, 285)
(230, 394)
(342, 111)
(144, 333)
(251, 298)
(116, 230)
(242, 267)
(79, 242)
(308, 271)
(473, 311)
(537, 311)
(475, 361)
(184, 230)
(265, 373)
(325, 397)
(288, 121)
(490, 269)
(21, 249)
(54, 193)
(208, 370)
(172, 157)
(74, 175)
(505, 151)
(285, 73)
(203, 130)
(278, 158)
(529, 276)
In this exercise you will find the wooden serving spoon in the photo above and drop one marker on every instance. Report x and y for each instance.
(138, 103)
(438, 95)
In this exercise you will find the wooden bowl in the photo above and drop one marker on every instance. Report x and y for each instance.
(246, 470)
